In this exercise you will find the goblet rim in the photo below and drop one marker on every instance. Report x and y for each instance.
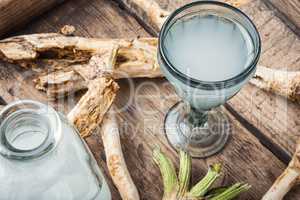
(208, 85)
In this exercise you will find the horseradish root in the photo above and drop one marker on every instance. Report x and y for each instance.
(87, 115)
(151, 14)
(63, 61)
(178, 188)
(284, 83)
(114, 157)
(67, 30)
(289, 178)
(67, 62)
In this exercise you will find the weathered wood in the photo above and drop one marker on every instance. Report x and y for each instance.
(141, 116)
(15, 13)
(69, 62)
(87, 115)
(290, 8)
(152, 14)
(275, 117)
(98, 18)
(153, 18)
(277, 41)
(287, 180)
(73, 61)
(140, 129)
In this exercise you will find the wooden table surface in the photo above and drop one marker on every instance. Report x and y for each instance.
(265, 126)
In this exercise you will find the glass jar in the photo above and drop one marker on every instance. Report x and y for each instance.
(43, 157)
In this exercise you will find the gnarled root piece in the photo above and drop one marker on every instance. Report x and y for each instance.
(66, 60)
(25, 48)
(115, 159)
(289, 178)
(284, 83)
(60, 83)
(151, 14)
(91, 108)
(71, 60)
(134, 58)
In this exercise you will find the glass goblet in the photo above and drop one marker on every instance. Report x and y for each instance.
(207, 50)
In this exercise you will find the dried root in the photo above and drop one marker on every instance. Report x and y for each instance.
(115, 160)
(284, 83)
(288, 179)
(71, 61)
(87, 115)
(67, 30)
(153, 15)
(67, 62)
(150, 13)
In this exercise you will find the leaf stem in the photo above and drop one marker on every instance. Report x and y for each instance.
(167, 171)
(201, 188)
(232, 192)
(184, 173)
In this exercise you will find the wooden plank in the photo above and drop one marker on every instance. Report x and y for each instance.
(96, 18)
(280, 49)
(88, 19)
(141, 130)
(290, 9)
(272, 115)
(141, 121)
(14, 13)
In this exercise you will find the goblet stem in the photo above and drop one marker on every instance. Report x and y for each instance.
(197, 118)
(201, 133)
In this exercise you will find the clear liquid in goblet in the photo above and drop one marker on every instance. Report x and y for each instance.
(208, 47)
(208, 51)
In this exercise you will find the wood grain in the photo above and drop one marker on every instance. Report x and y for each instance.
(102, 19)
(141, 130)
(274, 116)
(277, 119)
(143, 104)
(14, 13)
(290, 9)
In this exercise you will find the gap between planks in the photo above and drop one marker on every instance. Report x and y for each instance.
(262, 138)
(138, 152)
(276, 150)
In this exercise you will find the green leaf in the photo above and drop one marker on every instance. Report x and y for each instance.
(167, 170)
(201, 188)
(184, 173)
(232, 192)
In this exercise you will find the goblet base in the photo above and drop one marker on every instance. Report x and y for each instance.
(200, 140)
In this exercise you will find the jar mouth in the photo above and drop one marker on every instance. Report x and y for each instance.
(28, 129)
(230, 10)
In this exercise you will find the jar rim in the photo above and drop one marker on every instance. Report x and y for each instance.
(209, 85)
(51, 140)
